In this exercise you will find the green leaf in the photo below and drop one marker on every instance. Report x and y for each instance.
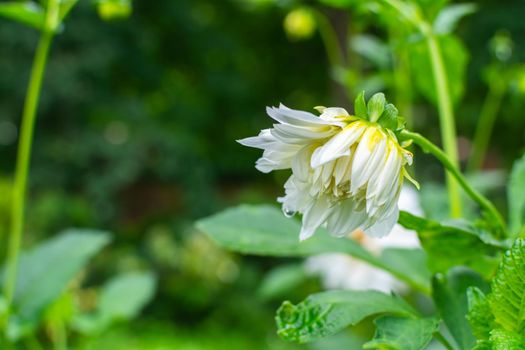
(401, 333)
(264, 230)
(281, 280)
(502, 339)
(412, 262)
(450, 297)
(448, 18)
(508, 289)
(372, 48)
(479, 314)
(121, 299)
(360, 109)
(376, 106)
(65, 7)
(455, 58)
(324, 314)
(455, 243)
(124, 296)
(516, 197)
(389, 117)
(45, 270)
(27, 12)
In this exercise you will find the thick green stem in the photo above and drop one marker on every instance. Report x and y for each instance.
(24, 158)
(488, 115)
(454, 171)
(447, 123)
(413, 14)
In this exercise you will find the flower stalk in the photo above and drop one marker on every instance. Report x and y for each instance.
(453, 170)
(447, 123)
(24, 155)
(487, 117)
(446, 111)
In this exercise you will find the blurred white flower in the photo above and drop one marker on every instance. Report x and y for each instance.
(347, 171)
(340, 271)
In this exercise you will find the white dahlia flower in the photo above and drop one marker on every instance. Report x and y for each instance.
(341, 271)
(347, 171)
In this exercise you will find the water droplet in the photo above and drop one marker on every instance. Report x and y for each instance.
(288, 213)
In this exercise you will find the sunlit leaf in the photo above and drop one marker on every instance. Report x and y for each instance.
(501, 339)
(508, 288)
(45, 270)
(455, 243)
(324, 314)
(264, 230)
(121, 299)
(448, 18)
(27, 12)
(479, 314)
(401, 333)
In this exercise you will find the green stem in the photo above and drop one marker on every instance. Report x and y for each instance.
(331, 43)
(447, 124)
(59, 335)
(453, 170)
(413, 14)
(488, 115)
(24, 157)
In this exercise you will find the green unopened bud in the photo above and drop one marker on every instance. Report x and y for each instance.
(376, 106)
(300, 24)
(114, 9)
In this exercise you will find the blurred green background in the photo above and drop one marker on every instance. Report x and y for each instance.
(136, 135)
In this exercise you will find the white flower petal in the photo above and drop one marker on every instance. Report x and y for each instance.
(337, 146)
(262, 141)
(361, 157)
(342, 168)
(314, 217)
(289, 116)
(306, 132)
(383, 227)
(301, 164)
(331, 113)
(377, 156)
(346, 173)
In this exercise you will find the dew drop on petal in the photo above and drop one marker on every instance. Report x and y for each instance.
(288, 213)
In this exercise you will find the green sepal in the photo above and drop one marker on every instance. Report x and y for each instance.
(389, 117)
(360, 109)
(376, 106)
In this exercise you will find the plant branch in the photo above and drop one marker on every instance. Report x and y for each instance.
(447, 123)
(429, 147)
(24, 156)
(487, 116)
(413, 15)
